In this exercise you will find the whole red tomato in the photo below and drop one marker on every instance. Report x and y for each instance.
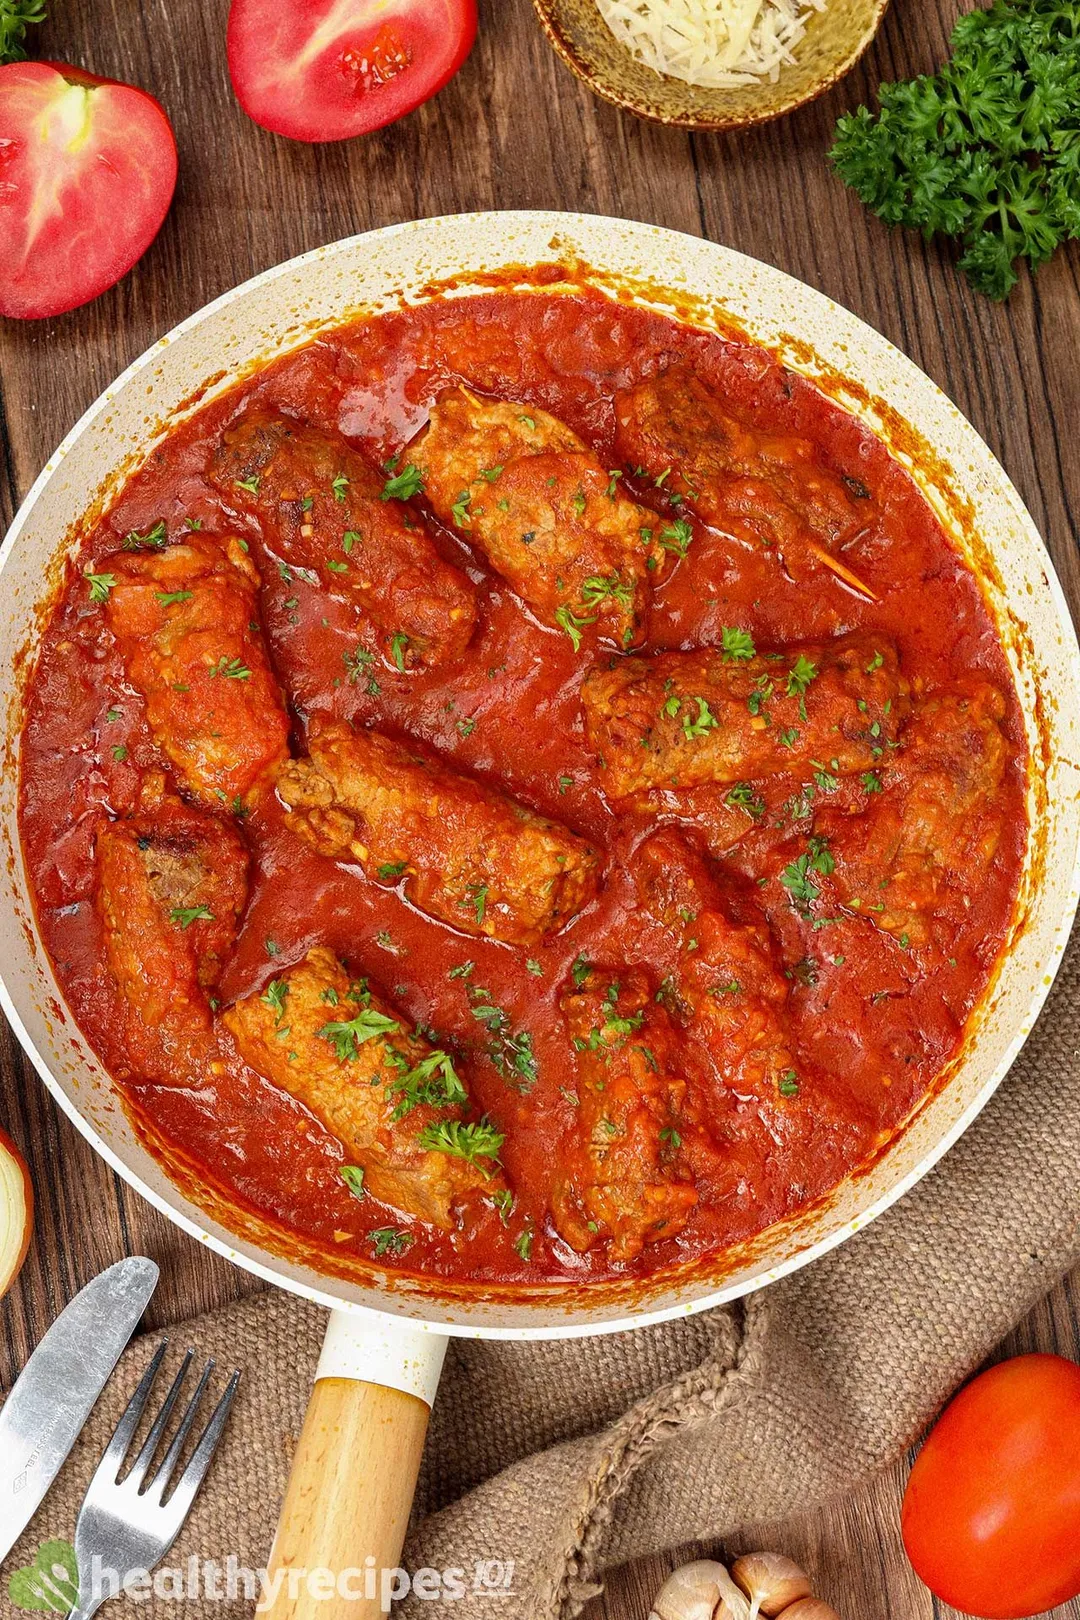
(991, 1515)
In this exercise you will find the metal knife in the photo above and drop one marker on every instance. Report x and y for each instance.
(52, 1398)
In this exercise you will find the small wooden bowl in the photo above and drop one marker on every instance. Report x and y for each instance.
(833, 42)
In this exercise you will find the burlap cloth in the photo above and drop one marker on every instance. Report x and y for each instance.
(568, 1458)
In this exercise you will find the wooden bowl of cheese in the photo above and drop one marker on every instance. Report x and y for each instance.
(710, 64)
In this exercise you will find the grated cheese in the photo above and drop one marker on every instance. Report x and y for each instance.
(717, 44)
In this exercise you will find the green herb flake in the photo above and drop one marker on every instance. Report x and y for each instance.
(676, 537)
(184, 916)
(736, 645)
(469, 1142)
(788, 1084)
(353, 1177)
(403, 485)
(100, 584)
(348, 1035)
(389, 1240)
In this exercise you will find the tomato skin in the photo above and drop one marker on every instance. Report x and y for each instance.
(991, 1516)
(87, 172)
(328, 70)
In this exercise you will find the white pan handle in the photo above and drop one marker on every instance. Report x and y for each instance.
(353, 1477)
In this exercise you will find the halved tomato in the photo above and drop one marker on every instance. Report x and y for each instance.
(87, 173)
(325, 70)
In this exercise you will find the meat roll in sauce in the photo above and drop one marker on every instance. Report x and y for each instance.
(395, 1102)
(533, 498)
(185, 618)
(171, 886)
(770, 490)
(731, 714)
(621, 1173)
(322, 508)
(464, 852)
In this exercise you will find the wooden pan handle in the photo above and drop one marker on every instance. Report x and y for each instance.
(347, 1504)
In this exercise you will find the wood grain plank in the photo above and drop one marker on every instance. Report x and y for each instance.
(516, 130)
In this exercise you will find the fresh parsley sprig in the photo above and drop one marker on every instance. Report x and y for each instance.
(15, 17)
(986, 150)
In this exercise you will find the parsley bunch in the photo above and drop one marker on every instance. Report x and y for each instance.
(15, 17)
(987, 149)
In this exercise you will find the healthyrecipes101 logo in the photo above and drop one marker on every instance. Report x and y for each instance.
(50, 1585)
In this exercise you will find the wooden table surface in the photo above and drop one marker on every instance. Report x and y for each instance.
(514, 130)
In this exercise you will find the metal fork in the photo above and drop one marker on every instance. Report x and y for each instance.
(128, 1523)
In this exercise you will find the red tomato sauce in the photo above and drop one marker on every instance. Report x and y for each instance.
(873, 1023)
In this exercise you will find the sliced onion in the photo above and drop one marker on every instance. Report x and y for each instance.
(16, 1212)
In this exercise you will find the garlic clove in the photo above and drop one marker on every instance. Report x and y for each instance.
(810, 1608)
(771, 1582)
(700, 1591)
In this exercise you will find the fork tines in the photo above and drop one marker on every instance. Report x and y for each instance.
(153, 1488)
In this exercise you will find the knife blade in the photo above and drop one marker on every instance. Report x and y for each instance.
(53, 1396)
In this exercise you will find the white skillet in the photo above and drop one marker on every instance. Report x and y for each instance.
(386, 1340)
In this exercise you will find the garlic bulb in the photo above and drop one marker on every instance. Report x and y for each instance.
(700, 1591)
(771, 1582)
(810, 1608)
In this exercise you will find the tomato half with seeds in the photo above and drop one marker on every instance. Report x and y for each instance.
(325, 70)
(991, 1516)
(87, 173)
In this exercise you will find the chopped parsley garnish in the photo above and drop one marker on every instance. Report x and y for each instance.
(432, 1083)
(581, 971)
(465, 726)
(359, 664)
(875, 663)
(349, 1036)
(112, 717)
(100, 584)
(736, 644)
(250, 484)
(671, 706)
(826, 781)
(613, 483)
(272, 947)
(796, 876)
(788, 1085)
(460, 509)
(391, 869)
(468, 1142)
(787, 738)
(275, 995)
(339, 486)
(389, 1240)
(476, 895)
(119, 753)
(398, 644)
(155, 537)
(743, 797)
(533, 966)
(579, 503)
(336, 566)
(167, 598)
(800, 675)
(677, 537)
(763, 691)
(705, 720)
(503, 1202)
(353, 1177)
(604, 587)
(529, 423)
(573, 624)
(871, 781)
(524, 1245)
(512, 1055)
(230, 668)
(403, 485)
(671, 1135)
(490, 473)
(350, 538)
(186, 915)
